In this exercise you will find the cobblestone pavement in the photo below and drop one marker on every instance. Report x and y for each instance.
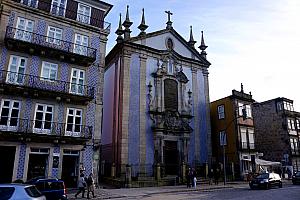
(232, 190)
(138, 193)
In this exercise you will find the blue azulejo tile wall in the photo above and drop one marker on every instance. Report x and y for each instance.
(21, 163)
(134, 114)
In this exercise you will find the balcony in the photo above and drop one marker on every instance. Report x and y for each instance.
(246, 145)
(16, 129)
(41, 45)
(35, 86)
(62, 11)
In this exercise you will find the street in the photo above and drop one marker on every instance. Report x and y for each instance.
(235, 191)
(289, 193)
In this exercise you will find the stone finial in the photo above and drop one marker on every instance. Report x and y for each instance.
(120, 31)
(202, 46)
(242, 88)
(191, 41)
(169, 23)
(143, 25)
(127, 23)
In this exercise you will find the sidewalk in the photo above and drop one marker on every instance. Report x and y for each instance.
(132, 193)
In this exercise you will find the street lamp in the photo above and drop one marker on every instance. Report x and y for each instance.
(223, 142)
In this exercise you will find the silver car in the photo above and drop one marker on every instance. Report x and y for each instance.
(20, 192)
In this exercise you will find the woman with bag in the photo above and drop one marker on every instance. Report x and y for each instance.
(90, 186)
(81, 186)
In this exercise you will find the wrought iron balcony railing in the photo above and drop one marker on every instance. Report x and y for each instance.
(49, 42)
(246, 145)
(63, 11)
(36, 82)
(49, 128)
(252, 145)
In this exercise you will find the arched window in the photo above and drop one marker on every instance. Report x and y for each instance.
(170, 95)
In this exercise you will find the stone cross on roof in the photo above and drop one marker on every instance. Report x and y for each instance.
(169, 23)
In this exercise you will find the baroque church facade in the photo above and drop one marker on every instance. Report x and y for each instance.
(156, 118)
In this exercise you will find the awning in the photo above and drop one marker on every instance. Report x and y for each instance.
(266, 162)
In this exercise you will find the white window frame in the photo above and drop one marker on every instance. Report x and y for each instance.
(240, 108)
(251, 138)
(244, 139)
(248, 111)
(73, 132)
(82, 16)
(77, 83)
(55, 39)
(24, 31)
(56, 7)
(43, 130)
(30, 2)
(223, 138)
(50, 67)
(10, 108)
(17, 75)
(221, 111)
(80, 47)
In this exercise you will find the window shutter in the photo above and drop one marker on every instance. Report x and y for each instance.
(171, 95)
(97, 17)
(45, 5)
(71, 11)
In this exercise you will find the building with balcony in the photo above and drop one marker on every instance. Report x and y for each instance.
(239, 141)
(51, 82)
(156, 107)
(277, 128)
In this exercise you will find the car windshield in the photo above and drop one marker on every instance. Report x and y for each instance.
(6, 192)
(33, 191)
(263, 176)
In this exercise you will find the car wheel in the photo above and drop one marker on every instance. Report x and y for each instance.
(280, 185)
(267, 186)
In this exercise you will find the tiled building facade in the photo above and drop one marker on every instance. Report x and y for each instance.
(51, 75)
(277, 128)
(156, 107)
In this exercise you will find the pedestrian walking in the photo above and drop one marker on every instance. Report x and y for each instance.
(90, 186)
(210, 176)
(188, 178)
(81, 186)
(217, 176)
(194, 179)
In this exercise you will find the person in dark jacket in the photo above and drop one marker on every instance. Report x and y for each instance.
(217, 176)
(81, 186)
(188, 178)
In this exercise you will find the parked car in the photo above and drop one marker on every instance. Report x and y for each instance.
(296, 178)
(53, 189)
(20, 192)
(266, 181)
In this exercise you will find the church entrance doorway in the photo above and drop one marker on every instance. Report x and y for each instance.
(171, 158)
(7, 157)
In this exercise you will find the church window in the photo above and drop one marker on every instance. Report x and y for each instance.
(170, 44)
(170, 95)
(170, 67)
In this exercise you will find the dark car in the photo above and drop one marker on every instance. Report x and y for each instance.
(53, 189)
(266, 181)
(296, 178)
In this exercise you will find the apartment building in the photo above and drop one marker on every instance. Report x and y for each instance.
(51, 76)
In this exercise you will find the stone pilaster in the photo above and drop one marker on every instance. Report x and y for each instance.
(143, 93)
(207, 101)
(125, 111)
(196, 114)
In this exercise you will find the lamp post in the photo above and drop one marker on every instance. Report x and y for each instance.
(223, 143)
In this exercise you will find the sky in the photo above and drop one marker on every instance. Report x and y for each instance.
(253, 42)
